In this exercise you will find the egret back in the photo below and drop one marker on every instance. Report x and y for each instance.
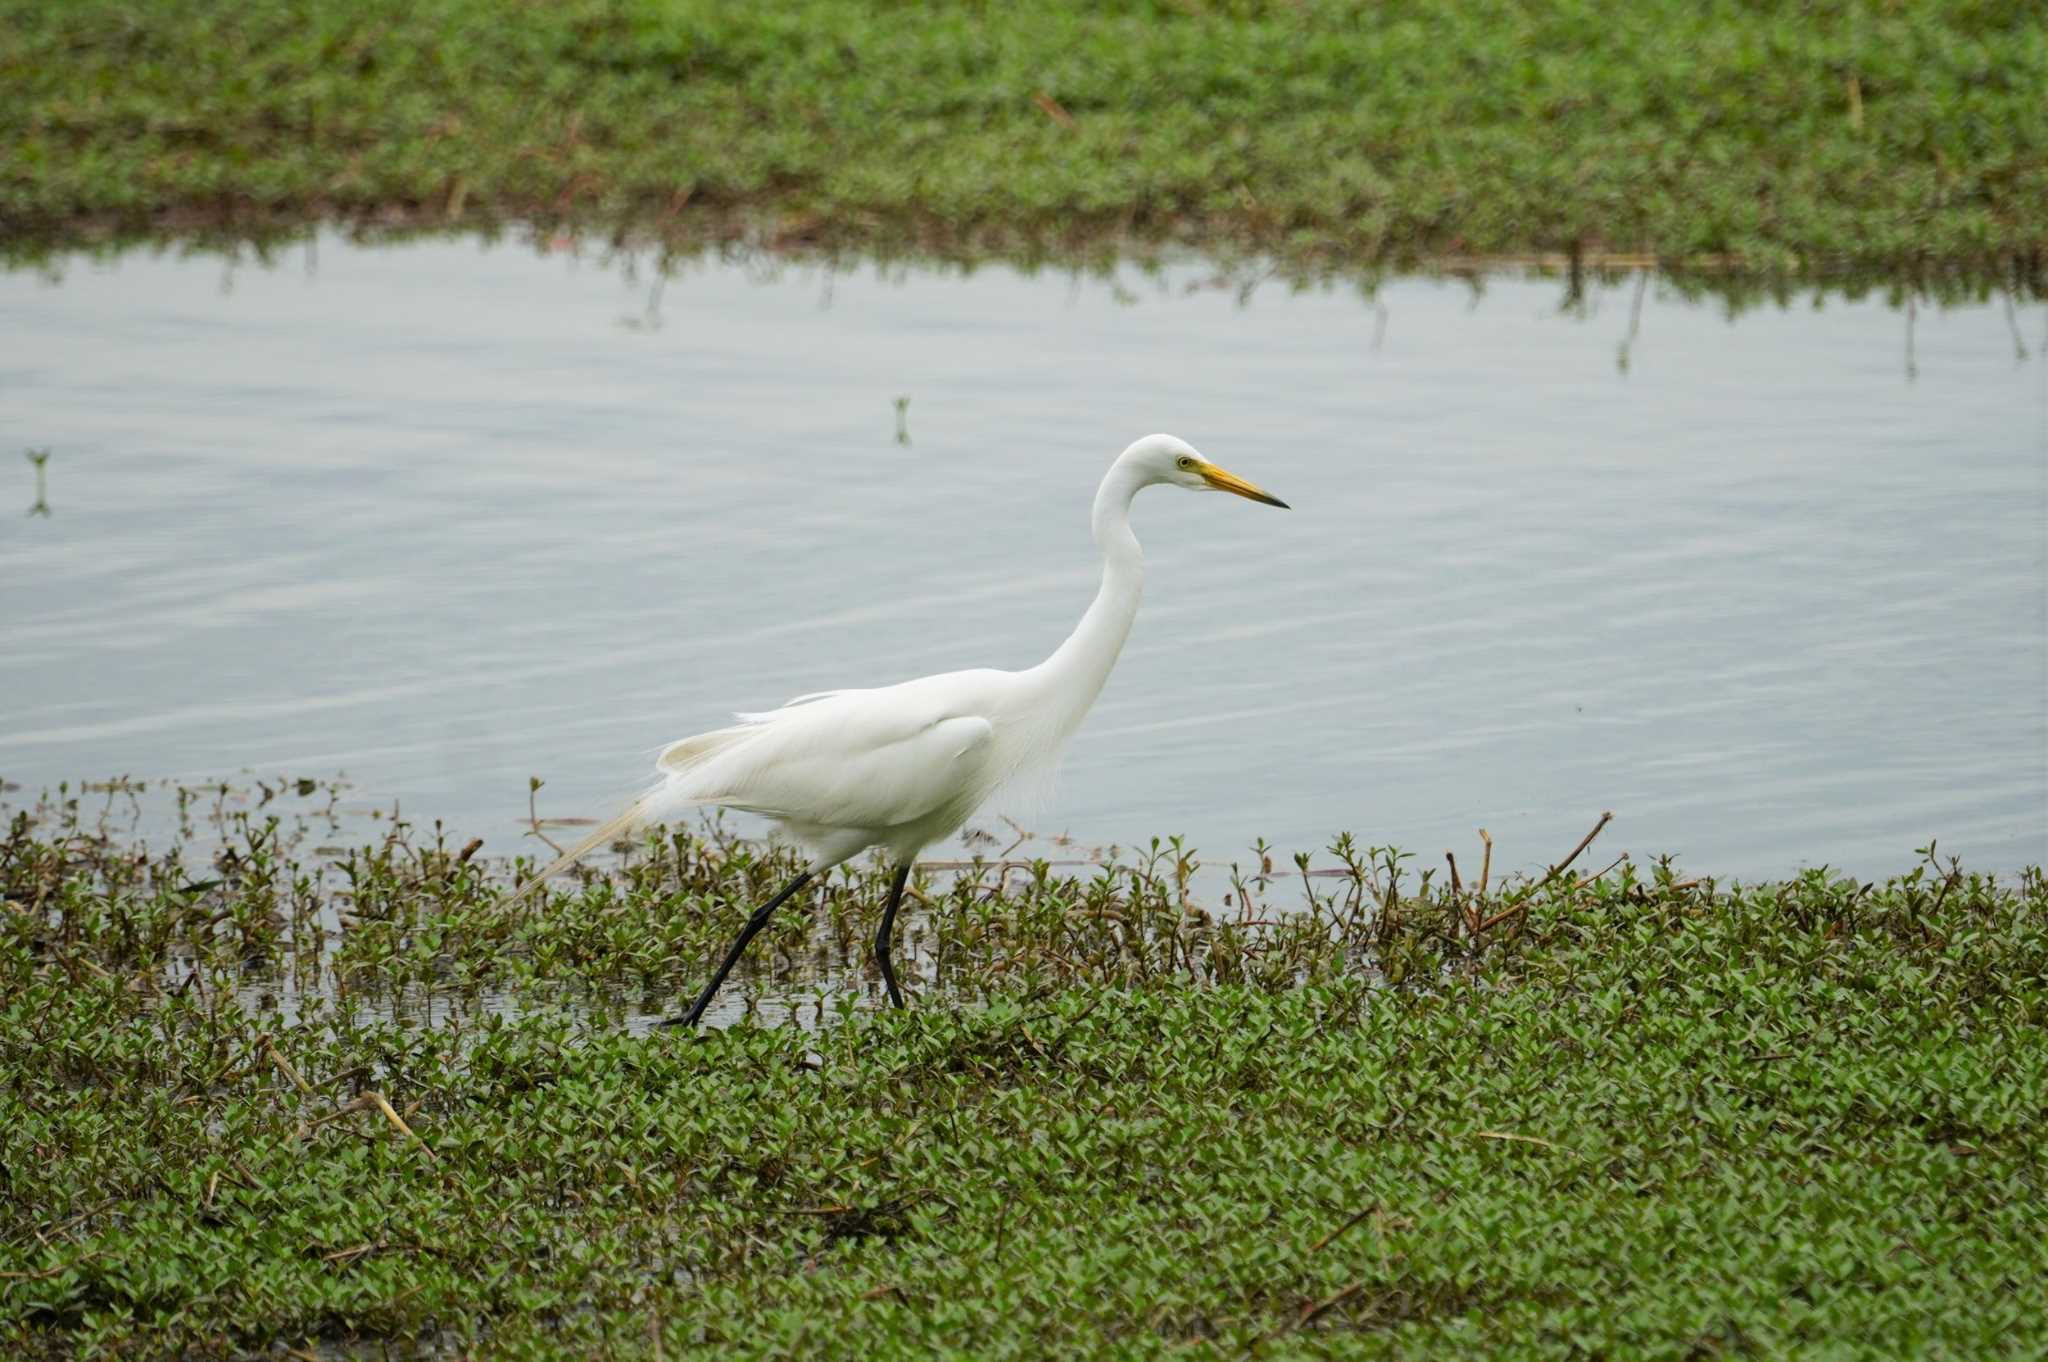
(884, 765)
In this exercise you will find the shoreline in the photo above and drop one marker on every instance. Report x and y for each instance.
(2020, 270)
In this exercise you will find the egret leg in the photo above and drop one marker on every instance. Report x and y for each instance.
(887, 930)
(739, 947)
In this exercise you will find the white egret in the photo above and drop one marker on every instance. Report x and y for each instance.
(900, 767)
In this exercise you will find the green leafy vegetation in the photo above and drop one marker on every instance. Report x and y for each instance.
(256, 1095)
(1901, 138)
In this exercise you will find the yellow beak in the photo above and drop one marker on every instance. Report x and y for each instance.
(1230, 482)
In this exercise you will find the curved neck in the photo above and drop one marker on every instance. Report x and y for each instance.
(1074, 675)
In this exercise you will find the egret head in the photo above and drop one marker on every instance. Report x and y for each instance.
(1168, 459)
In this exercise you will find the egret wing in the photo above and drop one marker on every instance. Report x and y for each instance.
(860, 759)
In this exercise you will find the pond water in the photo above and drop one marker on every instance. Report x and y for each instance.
(444, 515)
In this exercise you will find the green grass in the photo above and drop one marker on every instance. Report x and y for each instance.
(1901, 138)
(1635, 1117)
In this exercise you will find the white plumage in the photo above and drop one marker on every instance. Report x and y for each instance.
(903, 766)
(897, 767)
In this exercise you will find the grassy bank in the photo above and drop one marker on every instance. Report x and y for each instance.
(1899, 138)
(1615, 1115)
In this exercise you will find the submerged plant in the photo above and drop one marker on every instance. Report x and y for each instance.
(39, 460)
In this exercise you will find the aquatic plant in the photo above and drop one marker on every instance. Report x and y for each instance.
(256, 1096)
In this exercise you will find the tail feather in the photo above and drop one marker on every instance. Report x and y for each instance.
(678, 788)
(635, 814)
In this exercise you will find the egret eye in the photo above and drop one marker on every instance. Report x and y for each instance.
(1185, 462)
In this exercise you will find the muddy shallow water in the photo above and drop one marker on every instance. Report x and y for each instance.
(443, 516)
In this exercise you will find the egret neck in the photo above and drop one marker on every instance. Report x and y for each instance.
(1068, 682)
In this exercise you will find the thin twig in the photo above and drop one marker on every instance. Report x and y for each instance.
(1522, 901)
(1525, 1139)
(1052, 109)
(1469, 910)
(1004, 865)
(1510, 1135)
(1328, 1303)
(1502, 916)
(1023, 836)
(284, 1065)
(1345, 1228)
(65, 1226)
(1955, 872)
(377, 1099)
(1599, 874)
(370, 1101)
(1584, 842)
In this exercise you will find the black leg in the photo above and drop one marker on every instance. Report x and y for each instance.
(732, 957)
(886, 930)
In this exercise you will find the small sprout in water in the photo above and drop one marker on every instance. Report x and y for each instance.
(39, 459)
(533, 818)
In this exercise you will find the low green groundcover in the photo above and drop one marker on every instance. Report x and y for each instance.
(1852, 133)
(262, 1102)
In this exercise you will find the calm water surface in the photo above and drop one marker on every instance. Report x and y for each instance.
(444, 516)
